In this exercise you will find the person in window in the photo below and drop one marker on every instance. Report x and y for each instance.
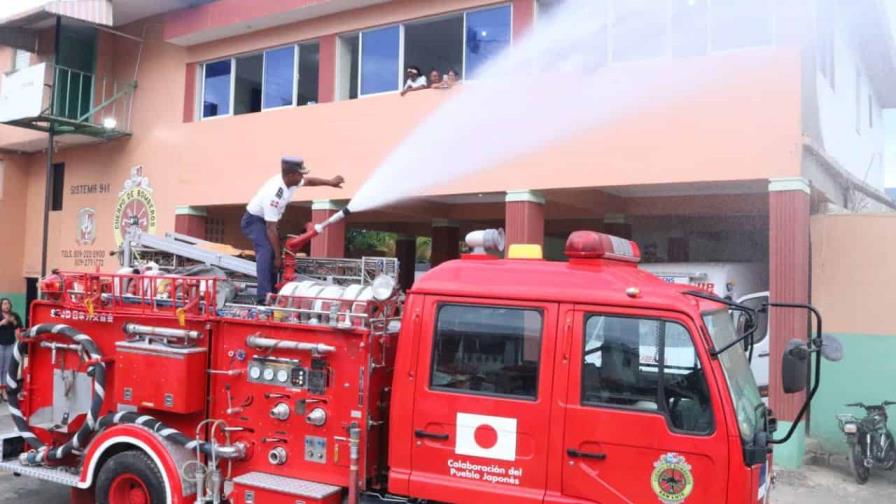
(435, 79)
(416, 80)
(451, 79)
(10, 323)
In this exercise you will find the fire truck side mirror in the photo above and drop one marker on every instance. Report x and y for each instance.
(745, 324)
(795, 367)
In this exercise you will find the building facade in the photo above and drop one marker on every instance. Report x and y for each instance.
(175, 113)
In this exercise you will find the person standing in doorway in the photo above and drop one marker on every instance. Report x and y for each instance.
(10, 323)
(264, 211)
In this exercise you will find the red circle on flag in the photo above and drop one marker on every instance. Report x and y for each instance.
(486, 436)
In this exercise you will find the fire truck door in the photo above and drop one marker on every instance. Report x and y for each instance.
(482, 401)
(642, 422)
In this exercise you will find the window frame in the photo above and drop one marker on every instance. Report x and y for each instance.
(295, 75)
(666, 52)
(202, 66)
(464, 75)
(361, 58)
(662, 409)
(401, 43)
(437, 308)
(232, 81)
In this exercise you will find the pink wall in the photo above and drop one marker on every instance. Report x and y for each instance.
(12, 215)
(855, 252)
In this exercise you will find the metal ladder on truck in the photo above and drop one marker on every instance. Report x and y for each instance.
(335, 270)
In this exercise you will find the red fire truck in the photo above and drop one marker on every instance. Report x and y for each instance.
(515, 379)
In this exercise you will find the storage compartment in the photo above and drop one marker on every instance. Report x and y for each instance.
(160, 377)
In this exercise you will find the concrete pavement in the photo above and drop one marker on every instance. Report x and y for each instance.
(828, 483)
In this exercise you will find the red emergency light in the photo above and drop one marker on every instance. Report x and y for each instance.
(594, 245)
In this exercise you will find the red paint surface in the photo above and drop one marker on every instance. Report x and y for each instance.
(190, 225)
(556, 421)
(486, 436)
(788, 258)
(524, 223)
(331, 242)
(326, 79)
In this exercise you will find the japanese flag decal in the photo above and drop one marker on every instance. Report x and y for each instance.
(486, 436)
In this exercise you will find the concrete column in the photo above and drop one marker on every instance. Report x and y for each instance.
(326, 75)
(523, 17)
(524, 217)
(615, 225)
(190, 221)
(406, 253)
(788, 257)
(331, 242)
(445, 242)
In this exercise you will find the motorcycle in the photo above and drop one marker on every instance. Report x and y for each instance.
(870, 441)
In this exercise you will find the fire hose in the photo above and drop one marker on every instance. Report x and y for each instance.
(41, 453)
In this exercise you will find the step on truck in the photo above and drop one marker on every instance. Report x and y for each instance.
(517, 379)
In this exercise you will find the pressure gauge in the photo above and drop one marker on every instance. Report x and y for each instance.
(282, 375)
(254, 372)
(268, 374)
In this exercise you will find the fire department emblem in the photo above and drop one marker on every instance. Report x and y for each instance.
(86, 227)
(671, 478)
(135, 206)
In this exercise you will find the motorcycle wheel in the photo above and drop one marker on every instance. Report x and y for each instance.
(857, 464)
(889, 461)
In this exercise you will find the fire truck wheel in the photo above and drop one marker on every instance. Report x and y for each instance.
(130, 478)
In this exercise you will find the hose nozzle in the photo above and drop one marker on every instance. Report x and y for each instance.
(296, 243)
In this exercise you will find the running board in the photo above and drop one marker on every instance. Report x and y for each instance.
(259, 488)
(12, 444)
(51, 474)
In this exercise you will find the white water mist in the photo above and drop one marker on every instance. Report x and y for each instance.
(552, 84)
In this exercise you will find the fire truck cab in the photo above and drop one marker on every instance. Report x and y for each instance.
(516, 379)
(586, 380)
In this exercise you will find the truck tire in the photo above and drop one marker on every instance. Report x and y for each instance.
(130, 478)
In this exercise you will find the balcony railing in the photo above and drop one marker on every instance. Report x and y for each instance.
(68, 101)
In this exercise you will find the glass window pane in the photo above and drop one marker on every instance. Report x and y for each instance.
(379, 60)
(309, 70)
(216, 93)
(487, 350)
(279, 69)
(247, 85)
(488, 33)
(740, 23)
(639, 30)
(435, 45)
(645, 364)
(688, 24)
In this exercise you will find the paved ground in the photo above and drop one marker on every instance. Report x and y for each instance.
(829, 483)
(832, 483)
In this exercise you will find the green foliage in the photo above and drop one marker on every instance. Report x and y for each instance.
(363, 242)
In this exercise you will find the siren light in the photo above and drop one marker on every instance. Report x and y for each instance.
(594, 245)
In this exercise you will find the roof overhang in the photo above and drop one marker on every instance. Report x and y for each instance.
(872, 34)
(228, 18)
(20, 30)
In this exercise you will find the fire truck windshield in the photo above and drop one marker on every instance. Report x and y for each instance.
(744, 392)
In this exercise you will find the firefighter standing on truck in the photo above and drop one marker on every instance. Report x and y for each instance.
(265, 209)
